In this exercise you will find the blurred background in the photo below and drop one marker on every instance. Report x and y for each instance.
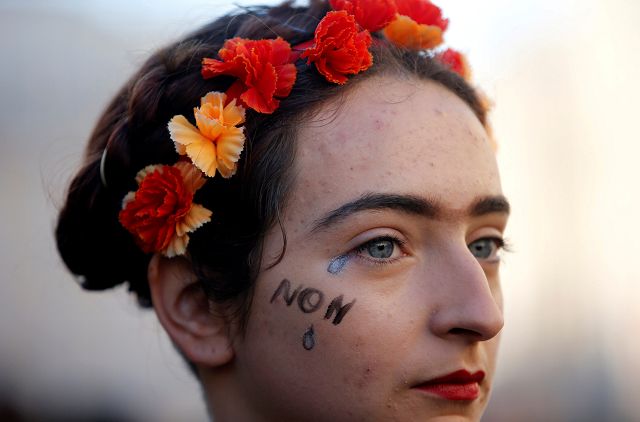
(564, 78)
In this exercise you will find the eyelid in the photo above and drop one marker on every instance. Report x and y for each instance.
(487, 232)
(373, 234)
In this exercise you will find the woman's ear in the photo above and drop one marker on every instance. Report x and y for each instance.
(194, 324)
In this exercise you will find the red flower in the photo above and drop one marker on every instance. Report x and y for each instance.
(262, 68)
(423, 12)
(161, 212)
(372, 15)
(339, 48)
(419, 25)
(456, 61)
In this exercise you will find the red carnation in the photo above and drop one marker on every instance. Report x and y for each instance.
(372, 15)
(262, 68)
(454, 60)
(161, 212)
(339, 48)
(423, 12)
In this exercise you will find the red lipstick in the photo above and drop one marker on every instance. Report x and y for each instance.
(460, 385)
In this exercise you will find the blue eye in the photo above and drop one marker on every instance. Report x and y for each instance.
(381, 248)
(486, 248)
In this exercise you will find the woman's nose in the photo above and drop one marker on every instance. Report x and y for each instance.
(467, 306)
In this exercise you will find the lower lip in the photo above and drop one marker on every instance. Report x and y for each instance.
(468, 391)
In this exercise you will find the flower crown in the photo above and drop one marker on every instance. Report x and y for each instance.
(161, 213)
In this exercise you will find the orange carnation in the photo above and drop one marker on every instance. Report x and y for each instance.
(262, 68)
(423, 12)
(419, 25)
(161, 212)
(372, 15)
(456, 61)
(339, 48)
(216, 142)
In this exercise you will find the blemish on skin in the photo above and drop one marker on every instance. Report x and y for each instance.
(338, 264)
(308, 339)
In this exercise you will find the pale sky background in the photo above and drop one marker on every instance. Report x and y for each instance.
(564, 77)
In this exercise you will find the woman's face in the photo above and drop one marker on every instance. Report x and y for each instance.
(390, 277)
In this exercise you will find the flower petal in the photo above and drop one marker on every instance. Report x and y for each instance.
(254, 100)
(455, 61)
(235, 91)
(233, 115)
(225, 171)
(407, 33)
(203, 155)
(147, 170)
(330, 72)
(209, 111)
(129, 197)
(215, 98)
(287, 76)
(192, 177)
(183, 133)
(423, 12)
(230, 145)
(209, 128)
(372, 15)
(195, 218)
(177, 246)
(281, 51)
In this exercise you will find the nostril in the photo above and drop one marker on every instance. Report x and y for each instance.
(466, 333)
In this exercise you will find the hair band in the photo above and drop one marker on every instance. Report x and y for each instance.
(104, 179)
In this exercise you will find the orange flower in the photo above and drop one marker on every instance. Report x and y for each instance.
(339, 48)
(372, 15)
(216, 142)
(423, 12)
(419, 25)
(456, 61)
(262, 68)
(161, 212)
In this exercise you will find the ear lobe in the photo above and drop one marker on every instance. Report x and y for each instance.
(191, 320)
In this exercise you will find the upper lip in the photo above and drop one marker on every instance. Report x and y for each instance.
(459, 377)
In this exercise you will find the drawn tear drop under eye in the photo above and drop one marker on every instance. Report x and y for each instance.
(338, 264)
(308, 339)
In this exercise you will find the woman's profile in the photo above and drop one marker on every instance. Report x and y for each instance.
(308, 197)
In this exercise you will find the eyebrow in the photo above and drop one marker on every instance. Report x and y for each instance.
(408, 204)
(490, 204)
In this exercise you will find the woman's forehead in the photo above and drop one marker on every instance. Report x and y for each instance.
(418, 139)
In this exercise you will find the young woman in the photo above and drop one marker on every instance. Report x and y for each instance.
(309, 199)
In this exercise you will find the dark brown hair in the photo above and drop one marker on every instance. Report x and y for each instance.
(226, 252)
